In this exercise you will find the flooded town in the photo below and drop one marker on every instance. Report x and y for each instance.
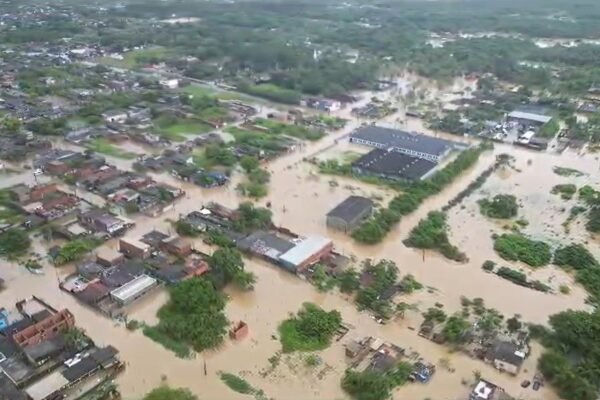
(223, 200)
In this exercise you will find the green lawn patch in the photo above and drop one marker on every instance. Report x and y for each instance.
(297, 131)
(272, 92)
(198, 91)
(135, 58)
(103, 146)
(177, 130)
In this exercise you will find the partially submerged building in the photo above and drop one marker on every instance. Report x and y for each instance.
(347, 215)
(409, 143)
(529, 118)
(486, 390)
(394, 165)
(507, 356)
(305, 253)
(40, 362)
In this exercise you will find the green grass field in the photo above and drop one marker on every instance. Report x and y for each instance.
(177, 132)
(103, 146)
(134, 58)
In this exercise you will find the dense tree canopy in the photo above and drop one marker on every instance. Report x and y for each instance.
(14, 243)
(312, 329)
(250, 218)
(194, 315)
(228, 266)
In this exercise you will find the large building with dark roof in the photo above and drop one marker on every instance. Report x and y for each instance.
(347, 215)
(412, 144)
(393, 165)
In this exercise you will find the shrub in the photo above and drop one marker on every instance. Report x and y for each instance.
(488, 265)
(516, 247)
(574, 256)
(431, 233)
(502, 206)
(312, 329)
(566, 191)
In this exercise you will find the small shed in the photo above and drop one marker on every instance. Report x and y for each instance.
(353, 348)
(239, 331)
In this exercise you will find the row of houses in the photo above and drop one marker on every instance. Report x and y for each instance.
(115, 279)
(71, 216)
(180, 163)
(42, 359)
(130, 191)
(276, 245)
(376, 356)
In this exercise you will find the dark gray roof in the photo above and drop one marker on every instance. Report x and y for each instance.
(506, 352)
(394, 164)
(105, 356)
(261, 242)
(115, 277)
(351, 208)
(388, 137)
(79, 370)
(9, 391)
(45, 349)
(154, 238)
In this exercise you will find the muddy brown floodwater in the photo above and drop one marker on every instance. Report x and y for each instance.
(301, 198)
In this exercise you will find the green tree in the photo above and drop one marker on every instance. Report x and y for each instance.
(166, 393)
(575, 256)
(14, 243)
(194, 315)
(249, 163)
(249, 218)
(228, 266)
(12, 126)
(366, 385)
(513, 324)
(455, 329)
(348, 281)
(435, 314)
(501, 206)
(311, 329)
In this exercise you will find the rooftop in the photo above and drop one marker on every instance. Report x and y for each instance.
(305, 249)
(530, 116)
(388, 138)
(484, 390)
(265, 243)
(509, 353)
(351, 208)
(46, 386)
(392, 163)
(133, 288)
